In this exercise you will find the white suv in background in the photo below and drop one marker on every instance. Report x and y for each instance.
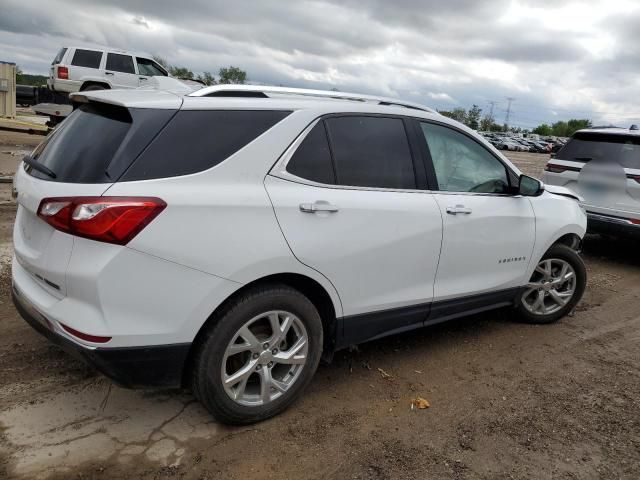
(228, 239)
(83, 68)
(603, 166)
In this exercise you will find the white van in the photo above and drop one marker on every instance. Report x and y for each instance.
(82, 68)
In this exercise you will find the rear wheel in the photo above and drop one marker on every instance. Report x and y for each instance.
(259, 355)
(556, 286)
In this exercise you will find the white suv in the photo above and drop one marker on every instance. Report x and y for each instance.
(228, 239)
(81, 68)
(603, 166)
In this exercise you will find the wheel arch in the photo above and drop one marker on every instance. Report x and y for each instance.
(311, 288)
(88, 83)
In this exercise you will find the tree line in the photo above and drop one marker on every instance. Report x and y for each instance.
(474, 119)
(226, 75)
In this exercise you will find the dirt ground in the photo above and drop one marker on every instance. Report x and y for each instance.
(507, 400)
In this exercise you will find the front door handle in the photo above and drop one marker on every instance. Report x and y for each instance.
(318, 206)
(458, 209)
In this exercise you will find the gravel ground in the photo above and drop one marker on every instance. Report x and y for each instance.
(507, 400)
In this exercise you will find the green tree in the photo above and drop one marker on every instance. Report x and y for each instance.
(459, 114)
(543, 129)
(232, 75)
(472, 118)
(206, 78)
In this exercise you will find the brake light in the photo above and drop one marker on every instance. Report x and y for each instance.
(104, 219)
(63, 73)
(634, 177)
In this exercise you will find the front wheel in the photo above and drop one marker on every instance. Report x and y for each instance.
(259, 355)
(556, 286)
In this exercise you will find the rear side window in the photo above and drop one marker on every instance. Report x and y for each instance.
(86, 58)
(196, 140)
(80, 150)
(120, 63)
(371, 152)
(312, 158)
(59, 56)
(609, 148)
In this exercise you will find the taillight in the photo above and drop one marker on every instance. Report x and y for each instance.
(63, 73)
(104, 219)
(85, 336)
(555, 168)
(634, 177)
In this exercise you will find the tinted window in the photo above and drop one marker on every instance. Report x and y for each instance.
(312, 159)
(59, 56)
(149, 67)
(82, 147)
(461, 164)
(371, 152)
(196, 140)
(120, 63)
(86, 58)
(586, 146)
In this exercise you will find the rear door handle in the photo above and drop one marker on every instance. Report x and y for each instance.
(108, 73)
(458, 209)
(318, 206)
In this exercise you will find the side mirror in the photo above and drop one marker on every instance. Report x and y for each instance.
(530, 187)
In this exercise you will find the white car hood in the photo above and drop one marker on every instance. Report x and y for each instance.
(564, 191)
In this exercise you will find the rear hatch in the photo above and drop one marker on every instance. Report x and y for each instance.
(84, 156)
(604, 168)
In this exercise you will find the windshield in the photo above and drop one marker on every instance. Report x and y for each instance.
(587, 146)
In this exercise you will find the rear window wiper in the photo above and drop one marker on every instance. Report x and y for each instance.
(38, 166)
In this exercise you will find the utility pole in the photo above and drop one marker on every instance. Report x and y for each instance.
(493, 104)
(506, 119)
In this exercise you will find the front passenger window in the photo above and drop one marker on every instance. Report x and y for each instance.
(461, 164)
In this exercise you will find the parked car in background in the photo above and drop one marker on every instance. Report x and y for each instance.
(83, 68)
(227, 243)
(603, 166)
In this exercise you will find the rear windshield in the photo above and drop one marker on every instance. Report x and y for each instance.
(82, 147)
(586, 146)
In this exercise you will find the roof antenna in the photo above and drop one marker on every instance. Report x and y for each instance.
(633, 127)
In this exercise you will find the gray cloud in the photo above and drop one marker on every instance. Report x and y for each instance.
(444, 54)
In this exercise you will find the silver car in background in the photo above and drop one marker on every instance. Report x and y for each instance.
(603, 166)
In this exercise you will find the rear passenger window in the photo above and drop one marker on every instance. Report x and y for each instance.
(312, 159)
(196, 140)
(120, 63)
(86, 58)
(371, 152)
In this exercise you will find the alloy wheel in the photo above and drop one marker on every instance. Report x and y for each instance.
(265, 358)
(551, 287)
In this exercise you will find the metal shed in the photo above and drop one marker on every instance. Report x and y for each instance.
(7, 90)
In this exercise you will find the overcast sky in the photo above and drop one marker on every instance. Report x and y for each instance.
(557, 59)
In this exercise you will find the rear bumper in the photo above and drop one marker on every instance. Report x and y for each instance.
(599, 223)
(131, 367)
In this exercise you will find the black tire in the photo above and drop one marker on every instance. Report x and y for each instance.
(93, 87)
(207, 376)
(572, 257)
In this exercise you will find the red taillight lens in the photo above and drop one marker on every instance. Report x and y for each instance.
(634, 177)
(85, 336)
(104, 219)
(63, 73)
